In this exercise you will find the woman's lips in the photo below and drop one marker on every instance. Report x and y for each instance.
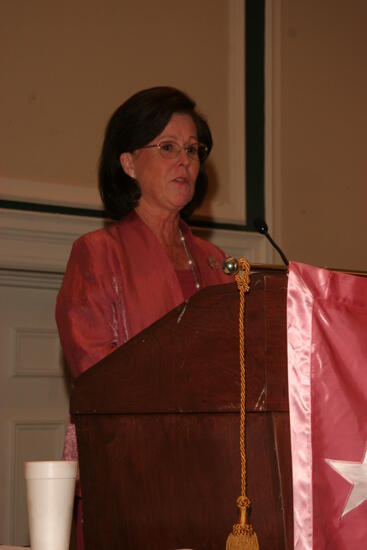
(180, 179)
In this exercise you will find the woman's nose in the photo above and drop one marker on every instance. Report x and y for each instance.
(184, 157)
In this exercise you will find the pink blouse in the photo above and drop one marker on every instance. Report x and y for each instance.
(118, 281)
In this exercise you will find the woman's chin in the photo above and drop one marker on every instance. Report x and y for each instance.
(180, 204)
(182, 196)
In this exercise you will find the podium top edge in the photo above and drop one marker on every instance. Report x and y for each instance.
(269, 267)
(283, 268)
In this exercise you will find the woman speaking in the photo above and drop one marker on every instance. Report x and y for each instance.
(122, 278)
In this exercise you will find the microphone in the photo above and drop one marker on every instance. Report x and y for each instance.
(261, 227)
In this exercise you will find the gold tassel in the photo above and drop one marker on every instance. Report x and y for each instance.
(243, 536)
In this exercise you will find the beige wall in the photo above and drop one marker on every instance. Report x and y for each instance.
(68, 65)
(323, 86)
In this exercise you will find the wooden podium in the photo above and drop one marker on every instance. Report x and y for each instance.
(158, 427)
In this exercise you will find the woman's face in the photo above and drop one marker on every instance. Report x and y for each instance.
(166, 184)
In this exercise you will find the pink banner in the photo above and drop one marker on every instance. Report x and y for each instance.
(327, 370)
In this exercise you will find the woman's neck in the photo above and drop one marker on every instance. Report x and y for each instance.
(164, 225)
(167, 230)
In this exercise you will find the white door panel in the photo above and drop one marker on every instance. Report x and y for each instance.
(34, 400)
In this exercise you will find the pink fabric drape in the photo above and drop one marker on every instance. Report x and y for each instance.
(327, 370)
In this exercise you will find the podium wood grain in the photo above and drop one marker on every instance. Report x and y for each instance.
(158, 427)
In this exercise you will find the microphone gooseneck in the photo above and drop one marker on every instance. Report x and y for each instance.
(261, 227)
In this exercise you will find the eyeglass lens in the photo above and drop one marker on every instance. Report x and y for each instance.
(171, 149)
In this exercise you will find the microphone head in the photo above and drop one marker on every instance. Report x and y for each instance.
(260, 226)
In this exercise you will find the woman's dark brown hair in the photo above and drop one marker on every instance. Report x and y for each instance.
(135, 124)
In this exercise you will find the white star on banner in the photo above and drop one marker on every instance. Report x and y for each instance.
(356, 474)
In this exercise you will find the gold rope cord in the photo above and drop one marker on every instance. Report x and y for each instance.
(243, 536)
(242, 279)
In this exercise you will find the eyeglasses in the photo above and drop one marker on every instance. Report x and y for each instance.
(171, 150)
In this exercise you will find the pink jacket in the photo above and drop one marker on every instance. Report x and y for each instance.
(118, 281)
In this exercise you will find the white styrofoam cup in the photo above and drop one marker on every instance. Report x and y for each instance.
(50, 499)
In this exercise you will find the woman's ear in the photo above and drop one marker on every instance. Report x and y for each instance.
(127, 163)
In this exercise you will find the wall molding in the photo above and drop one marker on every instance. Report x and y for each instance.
(30, 279)
(50, 193)
(36, 243)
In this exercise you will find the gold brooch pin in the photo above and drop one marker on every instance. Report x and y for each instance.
(213, 263)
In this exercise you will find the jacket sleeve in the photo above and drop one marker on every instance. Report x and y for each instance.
(86, 308)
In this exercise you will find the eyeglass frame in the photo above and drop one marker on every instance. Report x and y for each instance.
(185, 147)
